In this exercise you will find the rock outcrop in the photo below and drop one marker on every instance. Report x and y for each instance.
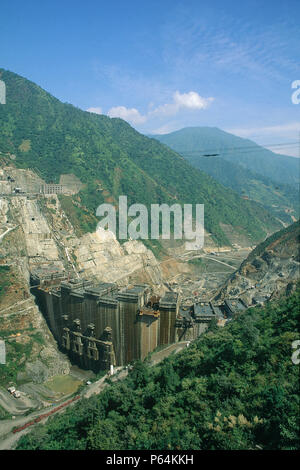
(270, 270)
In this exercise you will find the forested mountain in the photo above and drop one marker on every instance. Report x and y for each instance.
(211, 140)
(242, 165)
(53, 138)
(280, 199)
(234, 388)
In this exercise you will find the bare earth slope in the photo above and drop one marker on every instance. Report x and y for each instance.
(270, 270)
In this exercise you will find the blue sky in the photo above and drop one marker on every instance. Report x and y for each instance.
(163, 65)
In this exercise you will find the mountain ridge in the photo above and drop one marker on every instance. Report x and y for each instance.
(213, 139)
(230, 163)
(40, 132)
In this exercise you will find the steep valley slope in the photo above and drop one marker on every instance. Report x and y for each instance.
(111, 159)
(44, 141)
(251, 170)
(272, 269)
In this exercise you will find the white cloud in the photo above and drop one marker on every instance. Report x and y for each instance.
(191, 100)
(168, 109)
(188, 101)
(259, 51)
(290, 150)
(280, 138)
(95, 110)
(128, 114)
(165, 129)
(290, 129)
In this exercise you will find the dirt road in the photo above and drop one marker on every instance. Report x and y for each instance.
(8, 440)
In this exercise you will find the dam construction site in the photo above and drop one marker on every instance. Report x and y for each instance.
(149, 229)
(74, 306)
(104, 303)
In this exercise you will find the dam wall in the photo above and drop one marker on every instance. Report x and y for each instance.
(99, 325)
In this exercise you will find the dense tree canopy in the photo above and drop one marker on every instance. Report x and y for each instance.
(233, 388)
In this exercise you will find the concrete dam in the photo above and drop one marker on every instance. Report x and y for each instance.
(102, 325)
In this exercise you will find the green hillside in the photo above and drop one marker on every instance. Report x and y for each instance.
(242, 166)
(53, 138)
(235, 388)
(282, 200)
(196, 141)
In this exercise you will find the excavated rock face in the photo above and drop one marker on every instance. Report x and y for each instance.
(100, 255)
(272, 269)
(22, 325)
(35, 232)
(49, 237)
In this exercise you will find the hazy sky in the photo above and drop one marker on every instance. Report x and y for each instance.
(167, 64)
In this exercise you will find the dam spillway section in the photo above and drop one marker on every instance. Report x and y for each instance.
(100, 324)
